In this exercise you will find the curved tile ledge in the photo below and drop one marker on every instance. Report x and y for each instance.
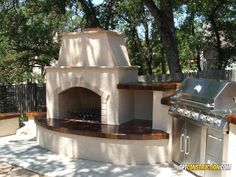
(158, 86)
(132, 130)
(33, 115)
(9, 115)
(231, 118)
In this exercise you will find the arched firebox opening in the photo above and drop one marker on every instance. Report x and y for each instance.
(81, 104)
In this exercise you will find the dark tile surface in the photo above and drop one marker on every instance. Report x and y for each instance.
(134, 129)
(158, 86)
(166, 101)
(231, 118)
(9, 115)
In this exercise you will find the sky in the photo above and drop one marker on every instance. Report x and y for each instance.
(96, 2)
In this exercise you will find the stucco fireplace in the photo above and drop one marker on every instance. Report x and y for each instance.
(84, 86)
(84, 83)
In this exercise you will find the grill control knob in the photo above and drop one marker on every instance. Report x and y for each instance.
(180, 111)
(187, 113)
(173, 109)
(195, 115)
(203, 117)
(217, 122)
(210, 119)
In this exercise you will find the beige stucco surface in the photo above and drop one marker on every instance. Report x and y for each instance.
(9, 126)
(119, 152)
(161, 119)
(101, 80)
(95, 47)
(143, 104)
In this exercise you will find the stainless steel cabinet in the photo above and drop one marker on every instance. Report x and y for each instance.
(214, 152)
(188, 143)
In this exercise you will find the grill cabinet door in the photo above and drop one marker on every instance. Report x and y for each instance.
(195, 145)
(178, 139)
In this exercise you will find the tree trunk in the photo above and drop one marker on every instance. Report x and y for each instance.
(198, 58)
(164, 19)
(90, 14)
(149, 53)
(163, 62)
(212, 18)
(109, 15)
(218, 43)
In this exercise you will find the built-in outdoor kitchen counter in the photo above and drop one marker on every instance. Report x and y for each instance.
(157, 86)
(151, 101)
(9, 123)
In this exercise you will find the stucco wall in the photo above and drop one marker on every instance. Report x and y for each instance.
(101, 80)
(143, 104)
(9, 126)
(161, 119)
(120, 152)
(95, 47)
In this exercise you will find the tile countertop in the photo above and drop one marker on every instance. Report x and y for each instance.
(33, 115)
(132, 130)
(231, 118)
(156, 86)
(9, 115)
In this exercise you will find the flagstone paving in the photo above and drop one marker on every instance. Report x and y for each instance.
(8, 170)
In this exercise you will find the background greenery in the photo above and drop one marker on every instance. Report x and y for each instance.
(30, 32)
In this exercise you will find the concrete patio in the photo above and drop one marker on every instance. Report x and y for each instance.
(24, 151)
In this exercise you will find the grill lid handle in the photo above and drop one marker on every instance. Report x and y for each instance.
(234, 98)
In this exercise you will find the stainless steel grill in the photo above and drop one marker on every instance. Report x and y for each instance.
(199, 109)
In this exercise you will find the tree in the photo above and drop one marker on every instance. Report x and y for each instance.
(90, 14)
(28, 29)
(220, 15)
(212, 23)
(165, 21)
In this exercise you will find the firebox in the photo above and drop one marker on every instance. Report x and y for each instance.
(81, 104)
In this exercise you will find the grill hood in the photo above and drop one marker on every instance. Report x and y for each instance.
(207, 93)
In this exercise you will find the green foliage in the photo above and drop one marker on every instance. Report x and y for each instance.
(30, 33)
(22, 119)
(28, 30)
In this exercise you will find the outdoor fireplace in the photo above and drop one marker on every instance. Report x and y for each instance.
(84, 83)
(88, 117)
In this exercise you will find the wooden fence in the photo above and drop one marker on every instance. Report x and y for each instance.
(229, 75)
(32, 97)
(22, 98)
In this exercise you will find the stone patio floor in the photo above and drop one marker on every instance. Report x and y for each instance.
(30, 160)
(8, 170)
